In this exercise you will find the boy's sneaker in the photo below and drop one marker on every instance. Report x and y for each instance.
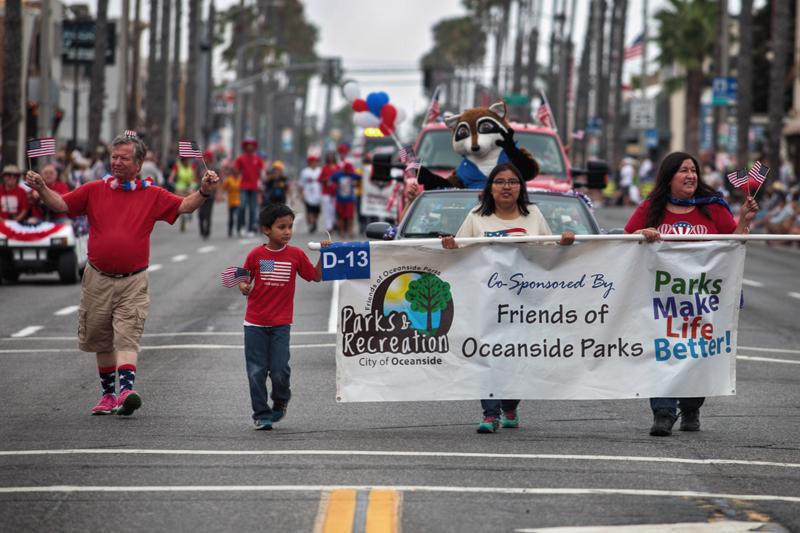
(263, 424)
(690, 420)
(510, 420)
(106, 406)
(489, 425)
(129, 401)
(279, 411)
(663, 421)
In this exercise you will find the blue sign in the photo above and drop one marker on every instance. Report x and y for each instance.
(594, 125)
(724, 91)
(345, 260)
(651, 138)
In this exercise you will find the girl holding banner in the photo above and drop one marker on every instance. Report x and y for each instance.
(681, 203)
(505, 211)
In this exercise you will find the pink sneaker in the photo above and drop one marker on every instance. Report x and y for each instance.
(129, 401)
(106, 406)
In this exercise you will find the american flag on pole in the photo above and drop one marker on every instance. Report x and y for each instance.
(434, 110)
(41, 147)
(636, 48)
(130, 133)
(578, 135)
(271, 270)
(232, 276)
(737, 178)
(758, 172)
(545, 115)
(189, 149)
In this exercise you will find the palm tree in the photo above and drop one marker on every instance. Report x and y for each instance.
(12, 90)
(192, 68)
(97, 89)
(686, 34)
(744, 98)
(781, 18)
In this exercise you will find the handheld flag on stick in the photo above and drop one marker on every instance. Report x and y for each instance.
(433, 109)
(232, 276)
(190, 149)
(759, 173)
(545, 115)
(737, 178)
(40, 148)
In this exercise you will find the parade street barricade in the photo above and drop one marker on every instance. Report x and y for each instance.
(601, 319)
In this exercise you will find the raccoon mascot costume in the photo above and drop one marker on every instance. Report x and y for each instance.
(484, 139)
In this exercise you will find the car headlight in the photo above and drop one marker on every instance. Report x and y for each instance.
(58, 241)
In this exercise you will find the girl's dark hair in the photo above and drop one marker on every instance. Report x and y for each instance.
(487, 207)
(659, 196)
(273, 212)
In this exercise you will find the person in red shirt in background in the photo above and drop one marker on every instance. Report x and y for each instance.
(122, 211)
(250, 167)
(329, 191)
(40, 211)
(13, 198)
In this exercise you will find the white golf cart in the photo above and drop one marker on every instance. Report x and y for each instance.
(43, 247)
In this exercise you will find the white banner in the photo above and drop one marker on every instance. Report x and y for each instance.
(596, 320)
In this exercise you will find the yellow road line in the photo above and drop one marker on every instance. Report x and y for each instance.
(340, 512)
(383, 512)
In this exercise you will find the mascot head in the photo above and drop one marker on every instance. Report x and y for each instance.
(476, 130)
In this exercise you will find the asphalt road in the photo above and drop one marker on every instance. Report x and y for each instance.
(189, 460)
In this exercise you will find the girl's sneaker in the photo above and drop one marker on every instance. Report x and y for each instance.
(510, 420)
(489, 425)
(106, 406)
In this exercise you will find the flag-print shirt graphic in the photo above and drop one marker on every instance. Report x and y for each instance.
(691, 223)
(270, 302)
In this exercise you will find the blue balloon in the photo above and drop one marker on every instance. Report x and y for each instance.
(375, 101)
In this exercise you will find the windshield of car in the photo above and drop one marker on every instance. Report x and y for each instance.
(436, 151)
(433, 215)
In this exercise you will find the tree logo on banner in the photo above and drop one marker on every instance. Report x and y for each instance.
(409, 313)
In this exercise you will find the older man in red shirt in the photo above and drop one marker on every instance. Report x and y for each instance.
(250, 167)
(122, 211)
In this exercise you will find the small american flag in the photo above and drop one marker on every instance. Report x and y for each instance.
(271, 270)
(737, 178)
(544, 116)
(232, 276)
(758, 172)
(406, 154)
(636, 48)
(578, 135)
(433, 109)
(130, 133)
(189, 149)
(41, 147)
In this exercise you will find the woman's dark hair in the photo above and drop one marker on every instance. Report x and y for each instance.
(273, 212)
(487, 207)
(659, 196)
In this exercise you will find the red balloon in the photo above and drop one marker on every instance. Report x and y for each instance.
(359, 104)
(388, 115)
(386, 129)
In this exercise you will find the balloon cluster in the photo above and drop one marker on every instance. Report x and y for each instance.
(373, 112)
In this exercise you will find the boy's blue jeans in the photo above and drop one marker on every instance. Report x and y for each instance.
(672, 404)
(266, 353)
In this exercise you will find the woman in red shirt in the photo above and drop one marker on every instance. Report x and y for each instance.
(681, 204)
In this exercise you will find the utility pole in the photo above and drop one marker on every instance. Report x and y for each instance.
(533, 48)
(133, 102)
(45, 122)
(643, 78)
(122, 87)
(330, 65)
(720, 113)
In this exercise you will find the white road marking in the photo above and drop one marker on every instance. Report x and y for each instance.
(168, 347)
(334, 312)
(394, 453)
(206, 249)
(153, 268)
(180, 257)
(66, 311)
(545, 491)
(757, 349)
(181, 334)
(767, 359)
(751, 283)
(724, 526)
(24, 332)
(795, 295)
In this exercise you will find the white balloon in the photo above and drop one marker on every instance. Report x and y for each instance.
(351, 90)
(365, 119)
(401, 116)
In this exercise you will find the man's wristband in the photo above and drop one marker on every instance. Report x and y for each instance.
(204, 195)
